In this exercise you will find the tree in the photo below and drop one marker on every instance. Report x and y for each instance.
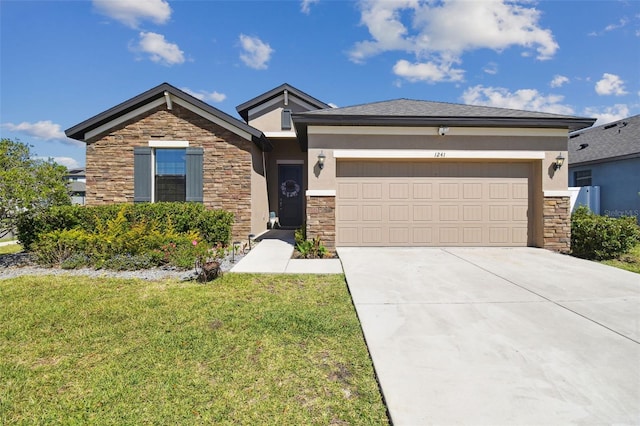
(27, 183)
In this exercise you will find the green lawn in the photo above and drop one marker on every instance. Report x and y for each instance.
(10, 249)
(245, 349)
(629, 261)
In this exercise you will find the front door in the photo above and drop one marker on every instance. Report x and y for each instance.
(290, 193)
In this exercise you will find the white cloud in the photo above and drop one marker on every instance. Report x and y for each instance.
(256, 53)
(523, 99)
(430, 72)
(491, 68)
(439, 33)
(610, 84)
(206, 96)
(131, 12)
(621, 23)
(46, 130)
(159, 49)
(70, 163)
(608, 114)
(305, 6)
(559, 80)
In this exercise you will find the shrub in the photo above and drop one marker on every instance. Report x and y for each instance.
(214, 226)
(600, 237)
(57, 247)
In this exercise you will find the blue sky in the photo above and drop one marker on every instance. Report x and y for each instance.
(63, 62)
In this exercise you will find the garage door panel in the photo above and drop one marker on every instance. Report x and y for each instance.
(371, 191)
(348, 191)
(422, 191)
(348, 235)
(398, 235)
(399, 191)
(348, 213)
(372, 213)
(423, 203)
(449, 235)
(399, 213)
(472, 213)
(520, 191)
(472, 235)
(448, 213)
(372, 235)
(422, 236)
(449, 191)
(422, 213)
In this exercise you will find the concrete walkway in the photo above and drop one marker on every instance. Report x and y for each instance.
(273, 253)
(498, 336)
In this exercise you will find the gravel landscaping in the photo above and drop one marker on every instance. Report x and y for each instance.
(18, 264)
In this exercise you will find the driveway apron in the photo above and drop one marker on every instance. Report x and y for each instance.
(498, 335)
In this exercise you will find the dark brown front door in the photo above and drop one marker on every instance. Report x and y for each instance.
(290, 193)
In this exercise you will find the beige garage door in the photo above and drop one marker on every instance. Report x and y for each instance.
(387, 203)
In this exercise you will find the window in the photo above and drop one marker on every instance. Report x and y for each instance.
(167, 174)
(170, 175)
(582, 178)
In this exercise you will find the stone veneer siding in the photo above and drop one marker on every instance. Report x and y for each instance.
(321, 220)
(226, 161)
(557, 224)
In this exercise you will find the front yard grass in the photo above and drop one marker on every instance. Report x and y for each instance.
(629, 261)
(245, 349)
(10, 248)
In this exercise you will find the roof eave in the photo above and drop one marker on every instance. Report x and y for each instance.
(569, 123)
(603, 160)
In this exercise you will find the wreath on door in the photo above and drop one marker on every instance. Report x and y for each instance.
(290, 188)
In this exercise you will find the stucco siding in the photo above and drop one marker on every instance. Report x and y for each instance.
(619, 183)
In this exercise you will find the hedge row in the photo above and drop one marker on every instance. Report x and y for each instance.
(213, 226)
(601, 237)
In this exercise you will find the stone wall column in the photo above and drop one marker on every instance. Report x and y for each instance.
(321, 220)
(557, 224)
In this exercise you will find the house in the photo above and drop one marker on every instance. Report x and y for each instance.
(394, 173)
(76, 182)
(608, 157)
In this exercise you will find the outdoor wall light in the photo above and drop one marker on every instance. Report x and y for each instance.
(559, 162)
(443, 130)
(321, 158)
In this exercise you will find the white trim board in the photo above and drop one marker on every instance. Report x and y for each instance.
(168, 144)
(433, 131)
(557, 193)
(321, 193)
(443, 154)
(289, 134)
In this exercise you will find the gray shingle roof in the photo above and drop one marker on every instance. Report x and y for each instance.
(418, 108)
(416, 112)
(618, 139)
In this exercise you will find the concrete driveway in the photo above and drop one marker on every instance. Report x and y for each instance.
(498, 335)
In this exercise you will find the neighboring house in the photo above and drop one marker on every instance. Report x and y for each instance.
(608, 156)
(77, 185)
(395, 173)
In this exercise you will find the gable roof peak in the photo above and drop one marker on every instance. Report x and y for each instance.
(244, 108)
(168, 92)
